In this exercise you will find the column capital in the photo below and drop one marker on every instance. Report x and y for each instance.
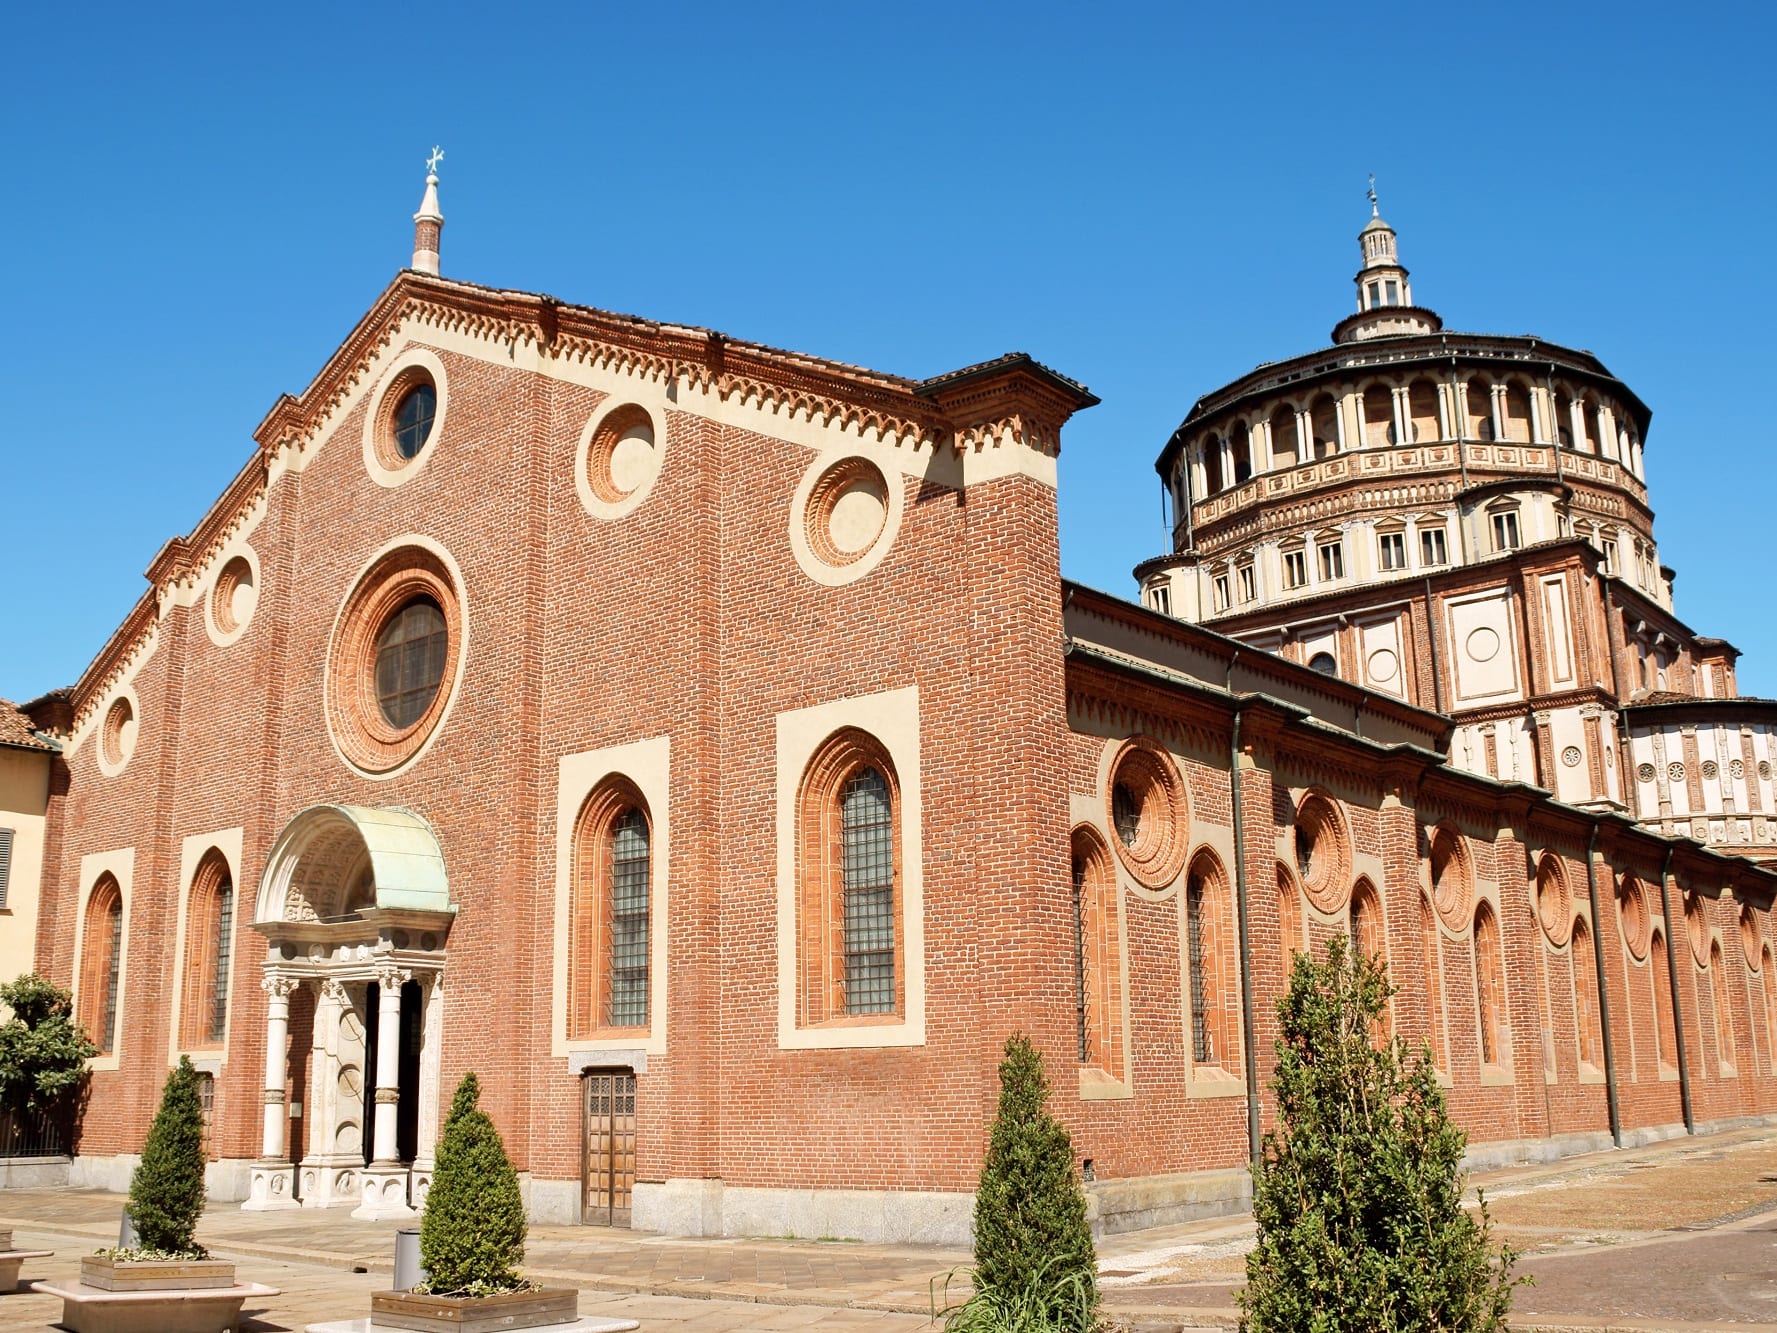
(333, 991)
(278, 985)
(391, 978)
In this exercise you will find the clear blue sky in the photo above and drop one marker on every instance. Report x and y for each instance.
(199, 203)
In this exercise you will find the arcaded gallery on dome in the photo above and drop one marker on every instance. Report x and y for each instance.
(823, 780)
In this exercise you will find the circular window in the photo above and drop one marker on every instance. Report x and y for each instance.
(1764, 768)
(1696, 928)
(1148, 812)
(1645, 773)
(1554, 903)
(117, 735)
(405, 417)
(234, 597)
(1637, 923)
(1324, 663)
(393, 661)
(1736, 769)
(414, 414)
(1323, 853)
(1571, 756)
(1675, 772)
(843, 519)
(619, 458)
(1452, 878)
(1750, 936)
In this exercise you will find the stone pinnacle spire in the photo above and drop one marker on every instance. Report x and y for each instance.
(428, 223)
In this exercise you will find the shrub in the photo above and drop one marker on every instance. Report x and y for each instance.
(472, 1234)
(1035, 1264)
(1358, 1195)
(43, 1051)
(167, 1191)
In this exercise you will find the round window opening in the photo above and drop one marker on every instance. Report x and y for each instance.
(622, 458)
(410, 656)
(394, 658)
(1322, 857)
(234, 598)
(1324, 663)
(118, 738)
(1148, 812)
(847, 511)
(414, 414)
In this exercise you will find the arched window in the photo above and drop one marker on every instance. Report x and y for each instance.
(209, 947)
(1434, 978)
(1286, 449)
(1289, 919)
(1585, 993)
(1479, 402)
(610, 913)
(1240, 443)
(1666, 1039)
(1518, 422)
(410, 656)
(1378, 416)
(102, 945)
(1097, 955)
(1489, 985)
(848, 941)
(1207, 959)
(1422, 409)
(1324, 422)
(1366, 922)
(1768, 978)
(1724, 1014)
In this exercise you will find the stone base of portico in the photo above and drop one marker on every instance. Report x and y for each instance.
(328, 1182)
(383, 1192)
(271, 1185)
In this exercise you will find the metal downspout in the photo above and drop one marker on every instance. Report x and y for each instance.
(1610, 1061)
(1684, 1068)
(1249, 1035)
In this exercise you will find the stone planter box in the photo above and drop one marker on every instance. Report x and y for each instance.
(474, 1314)
(206, 1310)
(107, 1274)
(11, 1261)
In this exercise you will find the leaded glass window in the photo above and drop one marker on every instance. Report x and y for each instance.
(868, 862)
(114, 960)
(1125, 814)
(1195, 952)
(410, 655)
(219, 987)
(629, 920)
(413, 419)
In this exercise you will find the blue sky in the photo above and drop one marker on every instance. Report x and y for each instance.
(200, 201)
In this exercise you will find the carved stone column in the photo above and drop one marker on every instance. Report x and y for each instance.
(385, 1179)
(273, 1181)
(329, 1176)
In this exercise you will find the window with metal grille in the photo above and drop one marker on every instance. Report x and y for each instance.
(1125, 813)
(413, 419)
(1201, 1046)
(410, 655)
(6, 835)
(629, 920)
(218, 1019)
(114, 959)
(867, 859)
(206, 1099)
(1080, 958)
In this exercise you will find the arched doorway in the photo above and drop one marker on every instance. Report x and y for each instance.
(354, 903)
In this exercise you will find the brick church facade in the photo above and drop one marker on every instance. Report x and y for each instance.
(699, 741)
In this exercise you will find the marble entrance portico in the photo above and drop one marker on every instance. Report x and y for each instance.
(354, 904)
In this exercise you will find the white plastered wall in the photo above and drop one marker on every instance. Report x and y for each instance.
(892, 719)
(24, 797)
(647, 764)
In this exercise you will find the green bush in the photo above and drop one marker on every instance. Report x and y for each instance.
(43, 1051)
(167, 1191)
(472, 1234)
(1035, 1264)
(1358, 1196)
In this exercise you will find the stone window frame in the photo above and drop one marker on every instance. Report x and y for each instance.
(1431, 949)
(616, 415)
(95, 870)
(1721, 1010)
(117, 734)
(644, 767)
(1588, 1013)
(407, 568)
(1659, 970)
(814, 756)
(590, 919)
(1488, 952)
(1320, 817)
(822, 484)
(222, 622)
(190, 935)
(383, 463)
(1295, 566)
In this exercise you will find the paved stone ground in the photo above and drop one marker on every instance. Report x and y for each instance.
(1675, 1236)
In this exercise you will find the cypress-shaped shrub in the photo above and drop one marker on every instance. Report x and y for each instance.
(1358, 1194)
(472, 1233)
(167, 1190)
(1033, 1248)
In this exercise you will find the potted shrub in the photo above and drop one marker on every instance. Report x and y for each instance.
(166, 1200)
(472, 1239)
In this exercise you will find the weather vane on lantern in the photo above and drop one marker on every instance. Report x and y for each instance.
(438, 156)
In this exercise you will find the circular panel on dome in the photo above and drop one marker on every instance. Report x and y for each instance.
(1571, 756)
(1383, 665)
(1736, 769)
(234, 596)
(1482, 644)
(1675, 772)
(1764, 768)
(1645, 772)
(1710, 770)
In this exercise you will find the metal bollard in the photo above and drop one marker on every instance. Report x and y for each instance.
(408, 1273)
(126, 1232)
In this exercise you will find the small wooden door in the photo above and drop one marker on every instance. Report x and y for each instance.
(608, 1146)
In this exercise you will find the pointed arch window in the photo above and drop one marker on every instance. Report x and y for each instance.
(209, 945)
(102, 943)
(849, 941)
(1585, 993)
(1208, 965)
(611, 914)
(1098, 966)
(1489, 986)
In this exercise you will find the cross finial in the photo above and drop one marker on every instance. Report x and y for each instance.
(1375, 212)
(438, 156)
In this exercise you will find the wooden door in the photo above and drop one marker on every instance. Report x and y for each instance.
(608, 1146)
